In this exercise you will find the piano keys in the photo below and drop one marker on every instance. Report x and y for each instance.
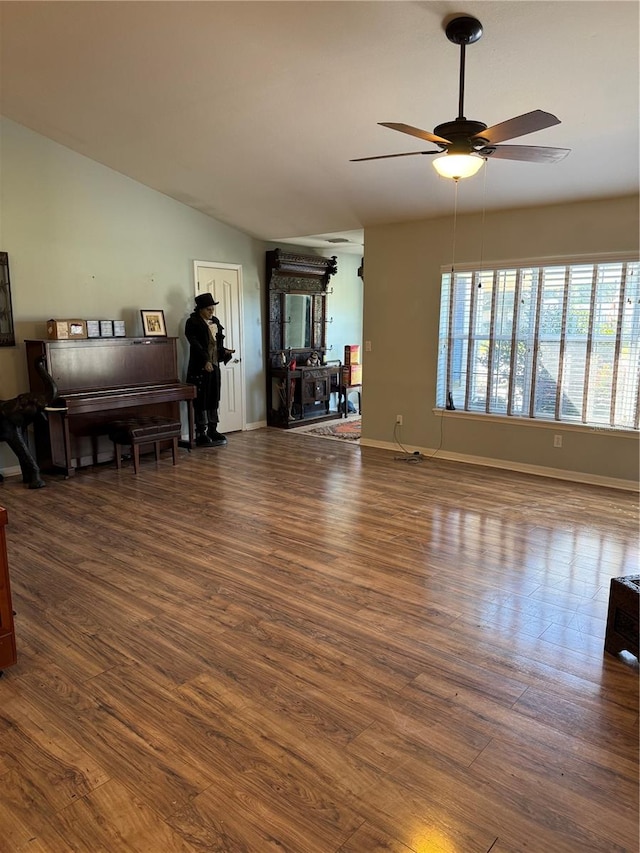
(100, 380)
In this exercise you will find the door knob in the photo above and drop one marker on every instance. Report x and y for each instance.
(236, 361)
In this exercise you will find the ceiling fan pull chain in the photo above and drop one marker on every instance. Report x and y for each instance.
(455, 225)
(484, 210)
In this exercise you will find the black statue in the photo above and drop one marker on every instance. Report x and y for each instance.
(21, 411)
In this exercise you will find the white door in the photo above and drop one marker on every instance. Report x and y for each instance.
(224, 282)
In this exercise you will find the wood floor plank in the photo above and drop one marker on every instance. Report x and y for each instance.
(224, 820)
(564, 715)
(119, 743)
(39, 751)
(26, 822)
(493, 720)
(489, 810)
(110, 819)
(321, 651)
(422, 818)
(366, 837)
(313, 756)
(583, 791)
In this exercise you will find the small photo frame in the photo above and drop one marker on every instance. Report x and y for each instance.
(153, 324)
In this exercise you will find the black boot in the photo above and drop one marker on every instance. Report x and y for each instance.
(216, 437)
(202, 439)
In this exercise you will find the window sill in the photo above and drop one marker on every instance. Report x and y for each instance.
(538, 423)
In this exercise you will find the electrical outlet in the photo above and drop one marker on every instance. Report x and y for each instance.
(399, 420)
(367, 346)
(557, 441)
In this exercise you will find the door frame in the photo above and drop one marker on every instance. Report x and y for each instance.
(240, 346)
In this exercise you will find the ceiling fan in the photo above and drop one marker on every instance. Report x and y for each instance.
(465, 145)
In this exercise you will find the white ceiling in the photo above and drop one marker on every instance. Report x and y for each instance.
(251, 111)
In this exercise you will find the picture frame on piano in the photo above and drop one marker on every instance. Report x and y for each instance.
(153, 325)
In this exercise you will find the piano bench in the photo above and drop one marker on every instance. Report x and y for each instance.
(144, 430)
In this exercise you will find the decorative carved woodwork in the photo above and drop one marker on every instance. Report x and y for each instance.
(296, 392)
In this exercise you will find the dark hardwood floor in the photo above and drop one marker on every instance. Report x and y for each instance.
(295, 644)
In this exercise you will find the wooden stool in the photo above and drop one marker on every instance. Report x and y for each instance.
(622, 620)
(144, 430)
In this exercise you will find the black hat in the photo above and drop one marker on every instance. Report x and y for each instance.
(205, 300)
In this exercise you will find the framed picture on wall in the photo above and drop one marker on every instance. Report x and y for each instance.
(7, 334)
(153, 325)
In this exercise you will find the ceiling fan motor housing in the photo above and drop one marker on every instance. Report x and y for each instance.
(463, 135)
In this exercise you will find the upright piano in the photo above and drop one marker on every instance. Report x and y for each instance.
(100, 380)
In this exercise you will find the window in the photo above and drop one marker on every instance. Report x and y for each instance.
(558, 342)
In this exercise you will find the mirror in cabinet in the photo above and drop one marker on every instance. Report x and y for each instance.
(298, 320)
(299, 382)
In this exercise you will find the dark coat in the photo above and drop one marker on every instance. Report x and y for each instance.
(196, 331)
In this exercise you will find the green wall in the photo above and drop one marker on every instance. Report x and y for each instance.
(85, 241)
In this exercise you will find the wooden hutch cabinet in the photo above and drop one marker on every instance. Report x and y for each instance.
(7, 636)
(297, 288)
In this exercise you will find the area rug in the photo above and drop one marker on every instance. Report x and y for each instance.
(345, 430)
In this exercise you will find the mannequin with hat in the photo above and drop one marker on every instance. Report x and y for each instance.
(207, 351)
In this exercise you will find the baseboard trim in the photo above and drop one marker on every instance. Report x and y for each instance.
(13, 471)
(520, 467)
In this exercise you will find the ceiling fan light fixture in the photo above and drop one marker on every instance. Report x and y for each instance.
(458, 166)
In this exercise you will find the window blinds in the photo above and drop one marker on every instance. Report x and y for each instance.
(557, 342)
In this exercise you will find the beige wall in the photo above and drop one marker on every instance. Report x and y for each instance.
(402, 298)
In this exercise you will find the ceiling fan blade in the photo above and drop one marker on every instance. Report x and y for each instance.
(530, 153)
(518, 126)
(387, 156)
(415, 131)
